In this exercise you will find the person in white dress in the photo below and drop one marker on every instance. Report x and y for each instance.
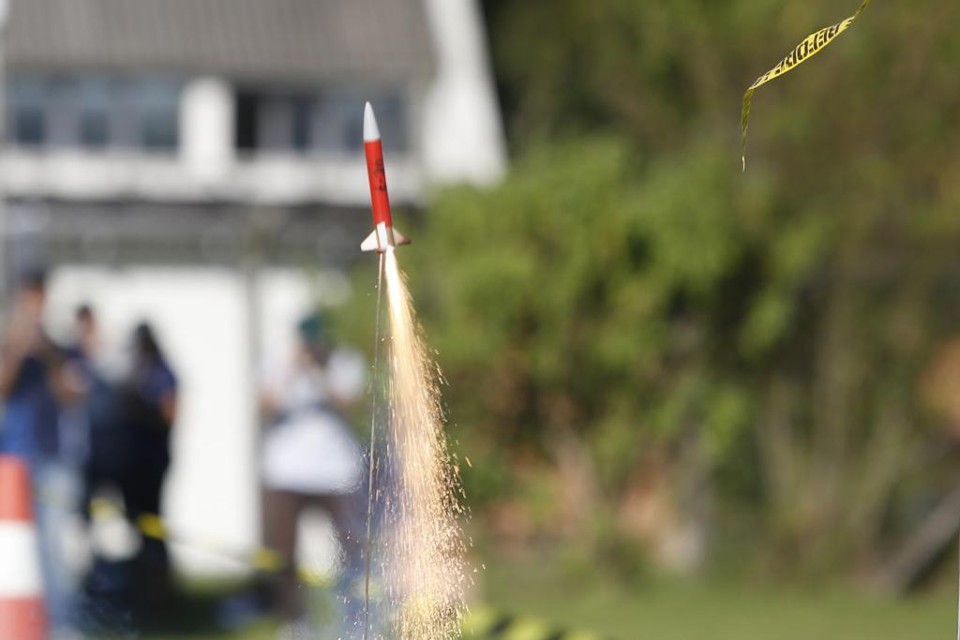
(311, 457)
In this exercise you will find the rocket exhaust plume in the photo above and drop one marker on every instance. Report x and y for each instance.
(421, 550)
(426, 547)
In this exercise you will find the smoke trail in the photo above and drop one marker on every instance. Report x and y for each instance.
(424, 563)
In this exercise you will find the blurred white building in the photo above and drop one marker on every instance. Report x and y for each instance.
(185, 160)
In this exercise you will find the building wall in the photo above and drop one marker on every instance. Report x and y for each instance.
(453, 133)
(204, 166)
(462, 129)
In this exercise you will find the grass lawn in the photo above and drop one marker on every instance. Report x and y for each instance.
(682, 612)
(663, 610)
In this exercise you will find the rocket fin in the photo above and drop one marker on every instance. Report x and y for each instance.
(399, 238)
(371, 242)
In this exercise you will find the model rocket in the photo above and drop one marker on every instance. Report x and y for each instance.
(383, 234)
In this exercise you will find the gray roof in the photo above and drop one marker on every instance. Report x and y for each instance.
(309, 40)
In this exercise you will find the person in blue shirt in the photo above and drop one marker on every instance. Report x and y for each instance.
(108, 458)
(31, 378)
(149, 397)
(38, 383)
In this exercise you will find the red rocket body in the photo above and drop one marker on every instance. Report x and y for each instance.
(383, 234)
(379, 199)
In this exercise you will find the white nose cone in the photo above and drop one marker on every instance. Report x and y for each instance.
(371, 131)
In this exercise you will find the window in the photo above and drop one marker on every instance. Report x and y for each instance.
(60, 101)
(327, 122)
(158, 103)
(246, 134)
(27, 120)
(275, 121)
(338, 122)
(95, 112)
(303, 107)
(94, 105)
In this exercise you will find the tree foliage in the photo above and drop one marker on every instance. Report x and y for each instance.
(627, 301)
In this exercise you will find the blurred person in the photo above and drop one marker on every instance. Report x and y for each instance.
(74, 429)
(149, 410)
(110, 453)
(311, 459)
(106, 463)
(86, 333)
(41, 387)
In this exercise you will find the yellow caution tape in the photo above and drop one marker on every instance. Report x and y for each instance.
(267, 560)
(477, 622)
(483, 622)
(811, 46)
(152, 526)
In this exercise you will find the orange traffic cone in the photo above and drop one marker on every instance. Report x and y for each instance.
(22, 614)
